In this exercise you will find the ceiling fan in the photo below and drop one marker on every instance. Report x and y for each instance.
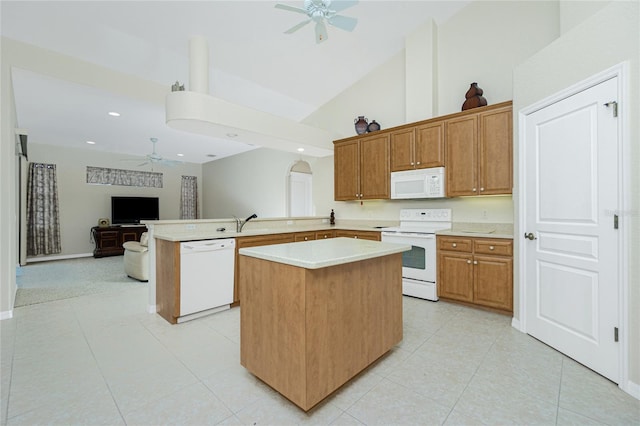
(321, 11)
(155, 158)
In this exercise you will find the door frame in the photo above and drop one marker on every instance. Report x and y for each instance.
(621, 71)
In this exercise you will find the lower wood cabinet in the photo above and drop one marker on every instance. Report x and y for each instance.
(321, 235)
(477, 271)
(259, 240)
(363, 235)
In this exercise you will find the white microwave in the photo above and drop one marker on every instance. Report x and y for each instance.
(420, 183)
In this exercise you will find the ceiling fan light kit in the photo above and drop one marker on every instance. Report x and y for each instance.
(321, 12)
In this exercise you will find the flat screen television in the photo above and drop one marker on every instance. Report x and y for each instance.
(131, 210)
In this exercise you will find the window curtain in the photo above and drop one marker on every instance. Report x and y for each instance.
(189, 197)
(43, 222)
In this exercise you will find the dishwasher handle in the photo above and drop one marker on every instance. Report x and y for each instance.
(209, 245)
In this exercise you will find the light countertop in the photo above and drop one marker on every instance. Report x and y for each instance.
(323, 253)
(202, 234)
(479, 230)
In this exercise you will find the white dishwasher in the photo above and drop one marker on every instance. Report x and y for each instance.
(206, 277)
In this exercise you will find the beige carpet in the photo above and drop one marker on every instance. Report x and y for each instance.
(43, 282)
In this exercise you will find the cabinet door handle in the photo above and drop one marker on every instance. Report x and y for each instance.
(418, 163)
(491, 247)
(475, 262)
(481, 189)
(474, 190)
(306, 238)
(412, 163)
(454, 245)
(355, 236)
(469, 262)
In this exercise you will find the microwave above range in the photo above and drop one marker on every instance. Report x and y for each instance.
(420, 183)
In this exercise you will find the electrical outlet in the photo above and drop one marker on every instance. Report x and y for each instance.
(484, 215)
(289, 222)
(191, 227)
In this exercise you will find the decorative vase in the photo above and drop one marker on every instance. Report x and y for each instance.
(474, 97)
(361, 124)
(373, 126)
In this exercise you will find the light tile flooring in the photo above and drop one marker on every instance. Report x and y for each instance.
(101, 359)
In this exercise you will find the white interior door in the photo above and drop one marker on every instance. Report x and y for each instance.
(571, 194)
(300, 196)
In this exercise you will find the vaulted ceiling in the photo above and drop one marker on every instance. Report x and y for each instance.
(253, 63)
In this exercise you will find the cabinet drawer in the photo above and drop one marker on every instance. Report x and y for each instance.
(108, 234)
(305, 236)
(497, 247)
(323, 235)
(455, 244)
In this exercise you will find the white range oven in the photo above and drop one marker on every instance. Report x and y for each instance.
(418, 229)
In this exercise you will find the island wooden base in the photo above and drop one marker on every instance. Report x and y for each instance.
(306, 332)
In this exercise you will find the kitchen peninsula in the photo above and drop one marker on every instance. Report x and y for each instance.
(316, 313)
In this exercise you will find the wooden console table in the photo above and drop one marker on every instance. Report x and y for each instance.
(109, 239)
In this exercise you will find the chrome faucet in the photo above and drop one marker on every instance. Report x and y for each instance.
(240, 223)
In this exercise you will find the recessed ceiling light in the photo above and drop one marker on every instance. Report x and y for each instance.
(180, 155)
(300, 149)
(232, 135)
(114, 114)
(91, 142)
(211, 155)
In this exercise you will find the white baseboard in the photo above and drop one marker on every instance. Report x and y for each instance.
(515, 323)
(632, 389)
(6, 315)
(58, 257)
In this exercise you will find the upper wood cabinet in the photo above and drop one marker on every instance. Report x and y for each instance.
(479, 153)
(361, 168)
(418, 147)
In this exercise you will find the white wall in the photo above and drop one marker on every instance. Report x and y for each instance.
(82, 204)
(608, 38)
(378, 96)
(252, 182)
(8, 200)
(484, 41)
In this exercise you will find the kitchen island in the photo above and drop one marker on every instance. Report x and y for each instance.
(314, 314)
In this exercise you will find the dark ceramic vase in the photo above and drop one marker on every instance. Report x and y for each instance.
(361, 124)
(373, 126)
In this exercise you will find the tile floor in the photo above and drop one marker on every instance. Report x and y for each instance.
(101, 359)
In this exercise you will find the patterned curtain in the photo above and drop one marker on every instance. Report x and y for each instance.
(43, 222)
(189, 197)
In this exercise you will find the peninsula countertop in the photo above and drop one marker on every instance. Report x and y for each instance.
(324, 253)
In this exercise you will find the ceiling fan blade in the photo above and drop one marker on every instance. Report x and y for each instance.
(290, 8)
(321, 32)
(346, 23)
(297, 27)
(340, 5)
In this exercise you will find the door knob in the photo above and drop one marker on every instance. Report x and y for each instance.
(530, 236)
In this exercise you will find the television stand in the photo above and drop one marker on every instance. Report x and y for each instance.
(109, 239)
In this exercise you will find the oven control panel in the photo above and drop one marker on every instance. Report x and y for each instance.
(425, 215)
